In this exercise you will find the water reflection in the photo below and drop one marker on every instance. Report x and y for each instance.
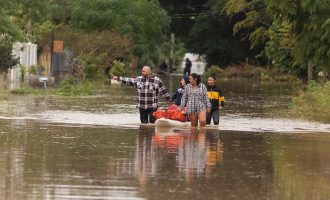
(55, 162)
(189, 153)
(93, 148)
(46, 161)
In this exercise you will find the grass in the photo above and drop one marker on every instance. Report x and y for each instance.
(71, 88)
(312, 104)
(28, 90)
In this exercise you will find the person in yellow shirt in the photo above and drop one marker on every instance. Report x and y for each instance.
(216, 99)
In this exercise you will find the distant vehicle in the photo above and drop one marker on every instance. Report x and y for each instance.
(198, 63)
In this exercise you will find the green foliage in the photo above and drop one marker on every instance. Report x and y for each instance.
(277, 75)
(10, 28)
(33, 69)
(163, 54)
(71, 87)
(27, 90)
(99, 48)
(23, 71)
(295, 32)
(25, 15)
(179, 53)
(233, 6)
(118, 69)
(309, 29)
(313, 104)
(60, 11)
(7, 60)
(214, 70)
(218, 45)
(43, 33)
(93, 71)
(92, 65)
(145, 21)
(279, 46)
(254, 20)
(4, 95)
(212, 35)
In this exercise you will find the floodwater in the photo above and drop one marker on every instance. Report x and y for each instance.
(95, 148)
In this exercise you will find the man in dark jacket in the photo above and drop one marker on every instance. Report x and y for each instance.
(217, 100)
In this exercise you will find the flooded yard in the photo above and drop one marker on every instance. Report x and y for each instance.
(95, 148)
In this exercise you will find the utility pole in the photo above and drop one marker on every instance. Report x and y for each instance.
(310, 71)
(51, 53)
(172, 52)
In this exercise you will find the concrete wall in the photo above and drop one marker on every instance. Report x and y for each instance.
(10, 79)
(26, 52)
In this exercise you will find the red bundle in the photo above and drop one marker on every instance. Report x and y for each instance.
(171, 114)
(176, 115)
(160, 114)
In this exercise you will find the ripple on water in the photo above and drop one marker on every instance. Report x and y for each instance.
(131, 120)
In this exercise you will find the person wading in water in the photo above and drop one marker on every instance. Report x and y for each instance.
(149, 87)
(196, 101)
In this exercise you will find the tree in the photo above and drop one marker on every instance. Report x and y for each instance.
(7, 60)
(183, 14)
(251, 22)
(295, 33)
(212, 35)
(7, 25)
(310, 27)
(145, 21)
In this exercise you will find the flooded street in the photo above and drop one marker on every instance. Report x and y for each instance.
(95, 148)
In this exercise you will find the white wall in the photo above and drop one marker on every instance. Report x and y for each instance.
(197, 61)
(26, 52)
(13, 77)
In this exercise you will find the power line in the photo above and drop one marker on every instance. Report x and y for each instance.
(189, 15)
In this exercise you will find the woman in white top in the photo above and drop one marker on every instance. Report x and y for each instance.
(196, 101)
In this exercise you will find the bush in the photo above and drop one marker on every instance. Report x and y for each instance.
(23, 71)
(118, 69)
(33, 70)
(313, 104)
(71, 87)
(214, 70)
(27, 90)
(7, 60)
(92, 71)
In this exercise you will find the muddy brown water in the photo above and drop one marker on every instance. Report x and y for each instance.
(95, 148)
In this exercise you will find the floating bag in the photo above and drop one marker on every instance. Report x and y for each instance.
(173, 107)
(171, 114)
(176, 115)
(160, 114)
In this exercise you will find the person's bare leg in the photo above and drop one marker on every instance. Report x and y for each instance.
(202, 118)
(194, 120)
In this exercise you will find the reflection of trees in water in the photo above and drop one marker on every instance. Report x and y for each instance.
(186, 153)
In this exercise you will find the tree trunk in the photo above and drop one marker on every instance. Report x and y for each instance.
(310, 71)
(134, 65)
